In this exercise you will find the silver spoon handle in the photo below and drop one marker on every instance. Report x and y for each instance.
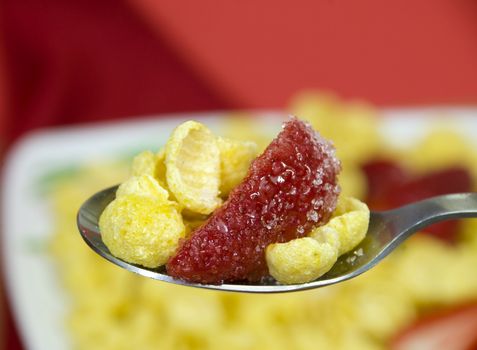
(413, 217)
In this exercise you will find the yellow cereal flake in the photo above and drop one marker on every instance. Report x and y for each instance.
(141, 229)
(142, 185)
(160, 171)
(300, 260)
(144, 164)
(424, 280)
(352, 126)
(443, 147)
(350, 220)
(352, 181)
(235, 159)
(193, 223)
(305, 259)
(193, 167)
(242, 126)
(327, 234)
(312, 105)
(468, 232)
(148, 163)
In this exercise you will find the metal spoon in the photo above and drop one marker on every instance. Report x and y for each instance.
(387, 230)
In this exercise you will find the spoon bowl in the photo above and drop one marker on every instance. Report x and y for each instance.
(387, 230)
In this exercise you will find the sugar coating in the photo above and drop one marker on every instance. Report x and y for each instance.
(290, 189)
(235, 159)
(192, 160)
(305, 259)
(141, 229)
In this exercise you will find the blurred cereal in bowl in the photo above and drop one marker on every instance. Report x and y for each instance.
(114, 309)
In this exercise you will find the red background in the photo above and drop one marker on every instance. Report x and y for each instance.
(65, 62)
(390, 52)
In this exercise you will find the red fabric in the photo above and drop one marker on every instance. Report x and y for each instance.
(260, 52)
(84, 60)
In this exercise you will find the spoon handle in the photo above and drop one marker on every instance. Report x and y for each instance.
(410, 218)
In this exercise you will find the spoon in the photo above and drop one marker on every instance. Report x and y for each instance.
(387, 230)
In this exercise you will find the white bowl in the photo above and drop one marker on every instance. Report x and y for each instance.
(38, 301)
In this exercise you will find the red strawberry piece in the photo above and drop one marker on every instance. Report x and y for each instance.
(454, 329)
(451, 180)
(445, 230)
(390, 186)
(291, 188)
(382, 175)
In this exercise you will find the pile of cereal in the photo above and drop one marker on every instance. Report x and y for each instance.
(114, 309)
(274, 220)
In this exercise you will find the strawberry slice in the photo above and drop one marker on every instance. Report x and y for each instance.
(450, 180)
(454, 329)
(390, 186)
(291, 188)
(382, 175)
